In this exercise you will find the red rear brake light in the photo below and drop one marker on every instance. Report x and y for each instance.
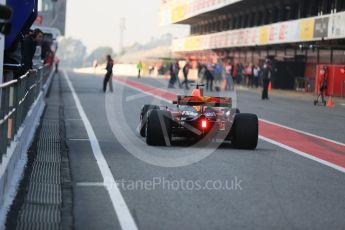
(204, 124)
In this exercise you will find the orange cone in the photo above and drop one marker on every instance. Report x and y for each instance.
(330, 102)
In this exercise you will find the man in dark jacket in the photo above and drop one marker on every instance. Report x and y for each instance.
(323, 88)
(266, 78)
(109, 74)
(209, 77)
(29, 48)
(185, 74)
(174, 70)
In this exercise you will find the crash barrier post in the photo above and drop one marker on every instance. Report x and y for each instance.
(16, 98)
(303, 84)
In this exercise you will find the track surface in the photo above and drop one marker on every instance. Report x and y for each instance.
(272, 187)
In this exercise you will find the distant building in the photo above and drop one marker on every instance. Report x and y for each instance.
(301, 34)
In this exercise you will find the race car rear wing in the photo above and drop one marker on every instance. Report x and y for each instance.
(207, 101)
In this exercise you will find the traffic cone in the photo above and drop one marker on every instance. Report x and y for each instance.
(270, 87)
(330, 102)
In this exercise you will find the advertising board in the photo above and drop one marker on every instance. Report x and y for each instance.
(310, 29)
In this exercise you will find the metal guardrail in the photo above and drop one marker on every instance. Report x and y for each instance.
(306, 85)
(16, 99)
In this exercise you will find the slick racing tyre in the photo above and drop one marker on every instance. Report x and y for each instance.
(245, 131)
(143, 117)
(158, 128)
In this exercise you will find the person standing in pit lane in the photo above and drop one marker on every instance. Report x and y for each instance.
(209, 77)
(109, 74)
(266, 78)
(323, 88)
(185, 74)
(218, 74)
(256, 74)
(229, 84)
(174, 71)
(140, 68)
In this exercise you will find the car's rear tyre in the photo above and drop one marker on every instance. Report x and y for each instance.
(228, 137)
(158, 128)
(143, 117)
(245, 131)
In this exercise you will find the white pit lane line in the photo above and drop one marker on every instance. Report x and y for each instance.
(121, 209)
(303, 154)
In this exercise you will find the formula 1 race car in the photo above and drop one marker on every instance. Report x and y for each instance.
(199, 118)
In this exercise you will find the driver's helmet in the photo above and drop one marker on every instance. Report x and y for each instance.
(196, 93)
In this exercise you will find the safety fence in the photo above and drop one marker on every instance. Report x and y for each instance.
(16, 98)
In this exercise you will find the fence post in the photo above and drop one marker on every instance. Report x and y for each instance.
(10, 118)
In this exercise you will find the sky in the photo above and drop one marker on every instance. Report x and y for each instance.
(97, 22)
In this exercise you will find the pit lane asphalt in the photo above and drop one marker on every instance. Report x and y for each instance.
(279, 190)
